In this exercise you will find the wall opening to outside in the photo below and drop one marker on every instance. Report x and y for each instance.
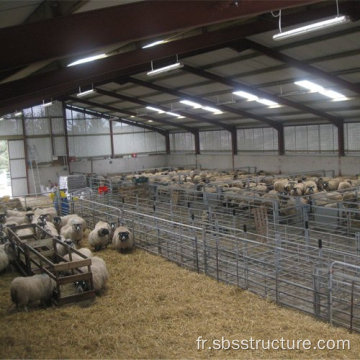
(5, 182)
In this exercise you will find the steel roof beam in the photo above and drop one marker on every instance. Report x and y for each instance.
(81, 33)
(239, 86)
(303, 66)
(145, 103)
(129, 113)
(31, 91)
(226, 108)
(115, 118)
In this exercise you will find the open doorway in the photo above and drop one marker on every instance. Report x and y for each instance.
(5, 182)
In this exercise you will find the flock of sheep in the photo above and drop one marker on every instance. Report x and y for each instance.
(69, 230)
(231, 185)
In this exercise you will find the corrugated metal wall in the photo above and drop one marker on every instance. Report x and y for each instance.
(182, 142)
(260, 139)
(311, 138)
(352, 138)
(90, 137)
(216, 141)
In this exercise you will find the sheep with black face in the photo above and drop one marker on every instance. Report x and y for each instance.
(123, 239)
(99, 237)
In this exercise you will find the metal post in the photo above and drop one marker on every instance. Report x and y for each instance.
(245, 256)
(204, 245)
(352, 306)
(277, 265)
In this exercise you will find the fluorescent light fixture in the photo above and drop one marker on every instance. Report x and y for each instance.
(252, 97)
(18, 113)
(150, 121)
(85, 93)
(158, 42)
(167, 68)
(334, 95)
(337, 20)
(87, 59)
(1, 118)
(246, 95)
(191, 103)
(46, 104)
(132, 116)
(196, 105)
(269, 103)
(159, 111)
(213, 110)
(176, 115)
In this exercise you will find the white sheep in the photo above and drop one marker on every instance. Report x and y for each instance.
(48, 213)
(75, 257)
(27, 232)
(4, 258)
(123, 239)
(310, 187)
(63, 249)
(280, 185)
(99, 237)
(46, 229)
(73, 230)
(343, 185)
(64, 220)
(17, 213)
(19, 220)
(100, 273)
(331, 185)
(26, 290)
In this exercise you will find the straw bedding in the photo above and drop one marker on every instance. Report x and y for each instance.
(154, 309)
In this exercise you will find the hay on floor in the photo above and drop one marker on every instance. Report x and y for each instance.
(154, 309)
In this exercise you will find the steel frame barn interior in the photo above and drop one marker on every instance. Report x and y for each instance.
(308, 256)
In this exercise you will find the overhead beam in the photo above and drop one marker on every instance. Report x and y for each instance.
(302, 66)
(82, 33)
(235, 85)
(129, 113)
(31, 91)
(114, 118)
(226, 108)
(145, 103)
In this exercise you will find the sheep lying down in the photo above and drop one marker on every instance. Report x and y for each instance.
(32, 289)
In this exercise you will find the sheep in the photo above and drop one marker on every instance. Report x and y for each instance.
(100, 273)
(49, 213)
(298, 189)
(26, 290)
(64, 220)
(343, 185)
(73, 229)
(7, 256)
(27, 232)
(62, 250)
(279, 185)
(19, 220)
(310, 187)
(46, 229)
(27, 215)
(331, 185)
(99, 237)
(123, 239)
(85, 251)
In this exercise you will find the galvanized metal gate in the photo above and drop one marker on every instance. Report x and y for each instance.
(344, 295)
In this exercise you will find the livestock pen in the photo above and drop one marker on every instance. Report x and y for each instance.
(305, 271)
